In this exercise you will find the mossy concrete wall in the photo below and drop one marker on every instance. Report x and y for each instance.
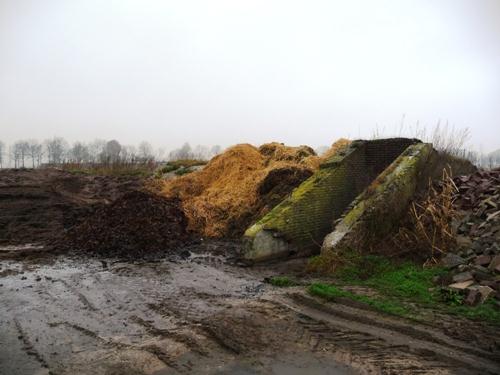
(376, 211)
(299, 224)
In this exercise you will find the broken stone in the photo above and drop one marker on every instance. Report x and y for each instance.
(464, 267)
(483, 260)
(476, 246)
(473, 297)
(451, 260)
(461, 286)
(463, 276)
(489, 283)
(495, 247)
(463, 242)
(495, 264)
(481, 274)
(485, 292)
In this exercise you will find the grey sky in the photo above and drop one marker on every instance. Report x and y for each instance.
(229, 71)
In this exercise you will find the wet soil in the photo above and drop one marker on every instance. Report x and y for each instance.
(133, 226)
(38, 205)
(200, 313)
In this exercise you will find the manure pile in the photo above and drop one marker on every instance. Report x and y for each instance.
(136, 224)
(240, 185)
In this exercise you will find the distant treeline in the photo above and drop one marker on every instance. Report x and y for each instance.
(32, 153)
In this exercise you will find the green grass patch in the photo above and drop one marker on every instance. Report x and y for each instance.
(331, 293)
(182, 171)
(282, 281)
(179, 167)
(186, 163)
(488, 312)
(402, 287)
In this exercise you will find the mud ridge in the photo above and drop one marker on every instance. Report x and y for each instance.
(465, 356)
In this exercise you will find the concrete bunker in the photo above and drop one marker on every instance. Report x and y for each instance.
(299, 224)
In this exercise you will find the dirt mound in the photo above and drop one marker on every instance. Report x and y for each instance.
(135, 224)
(240, 185)
(37, 205)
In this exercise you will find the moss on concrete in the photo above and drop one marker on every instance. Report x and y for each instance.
(299, 224)
(375, 212)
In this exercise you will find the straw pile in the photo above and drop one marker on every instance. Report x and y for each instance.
(338, 146)
(240, 185)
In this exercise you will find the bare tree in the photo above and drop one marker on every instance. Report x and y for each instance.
(129, 154)
(201, 152)
(15, 154)
(35, 152)
(160, 153)
(56, 150)
(79, 153)
(215, 150)
(182, 153)
(112, 151)
(145, 151)
(96, 150)
(2, 152)
(20, 153)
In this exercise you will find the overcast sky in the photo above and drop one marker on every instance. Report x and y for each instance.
(232, 71)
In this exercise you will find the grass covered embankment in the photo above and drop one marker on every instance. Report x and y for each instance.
(404, 289)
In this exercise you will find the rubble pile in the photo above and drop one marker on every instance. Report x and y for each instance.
(476, 265)
(136, 224)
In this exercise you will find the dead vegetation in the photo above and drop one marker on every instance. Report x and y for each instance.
(338, 146)
(243, 184)
(239, 185)
(428, 230)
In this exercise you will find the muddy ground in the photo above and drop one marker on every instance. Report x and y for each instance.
(38, 205)
(195, 310)
(200, 313)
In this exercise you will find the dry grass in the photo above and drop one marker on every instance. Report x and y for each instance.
(242, 184)
(445, 138)
(339, 145)
(221, 199)
(277, 152)
(428, 232)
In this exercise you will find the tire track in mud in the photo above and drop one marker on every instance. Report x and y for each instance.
(396, 326)
(372, 352)
(190, 316)
(390, 348)
(81, 297)
(29, 347)
(172, 334)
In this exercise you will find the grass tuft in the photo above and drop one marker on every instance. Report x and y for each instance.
(402, 288)
(331, 293)
(282, 281)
